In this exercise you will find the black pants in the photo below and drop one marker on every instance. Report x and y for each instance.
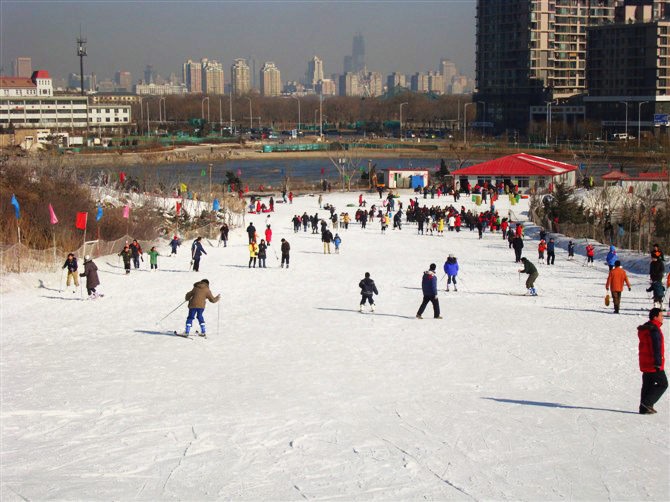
(436, 305)
(284, 259)
(368, 298)
(550, 258)
(252, 260)
(653, 386)
(261, 263)
(517, 255)
(196, 264)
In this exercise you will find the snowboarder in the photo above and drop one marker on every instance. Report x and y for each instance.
(285, 250)
(136, 251)
(224, 235)
(262, 254)
(529, 268)
(337, 240)
(174, 244)
(253, 253)
(91, 274)
(615, 281)
(196, 252)
(429, 287)
(153, 258)
(368, 288)
(451, 269)
(197, 299)
(652, 361)
(126, 255)
(71, 265)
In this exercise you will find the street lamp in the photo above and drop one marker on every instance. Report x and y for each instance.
(465, 123)
(401, 105)
(162, 118)
(321, 115)
(148, 123)
(548, 128)
(315, 112)
(296, 97)
(251, 115)
(483, 116)
(626, 103)
(639, 110)
(230, 108)
(202, 108)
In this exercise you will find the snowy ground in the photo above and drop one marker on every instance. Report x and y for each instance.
(296, 395)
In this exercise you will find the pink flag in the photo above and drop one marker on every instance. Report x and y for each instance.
(54, 220)
(126, 211)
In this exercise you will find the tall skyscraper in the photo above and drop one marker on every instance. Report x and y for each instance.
(22, 67)
(240, 77)
(358, 53)
(150, 74)
(448, 71)
(212, 76)
(531, 51)
(314, 72)
(193, 76)
(270, 78)
(123, 80)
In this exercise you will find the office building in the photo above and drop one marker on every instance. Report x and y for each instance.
(420, 82)
(270, 78)
(90, 82)
(396, 80)
(22, 67)
(165, 89)
(123, 80)
(356, 62)
(326, 87)
(436, 83)
(349, 85)
(150, 74)
(240, 77)
(314, 72)
(375, 84)
(529, 52)
(192, 74)
(212, 77)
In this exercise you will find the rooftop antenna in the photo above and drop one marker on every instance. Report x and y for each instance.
(81, 52)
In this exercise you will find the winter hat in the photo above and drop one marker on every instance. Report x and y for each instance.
(617, 263)
(367, 275)
(87, 257)
(205, 281)
(451, 256)
(432, 267)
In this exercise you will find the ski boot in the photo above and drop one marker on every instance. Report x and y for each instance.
(360, 308)
(372, 307)
(447, 288)
(455, 288)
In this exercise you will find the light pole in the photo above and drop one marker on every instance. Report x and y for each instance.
(251, 123)
(639, 110)
(626, 104)
(321, 116)
(483, 116)
(465, 123)
(202, 108)
(230, 109)
(148, 123)
(162, 117)
(315, 112)
(401, 105)
(296, 97)
(548, 128)
(220, 119)
(141, 112)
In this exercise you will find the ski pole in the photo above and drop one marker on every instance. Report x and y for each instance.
(182, 303)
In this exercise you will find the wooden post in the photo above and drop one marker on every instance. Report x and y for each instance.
(18, 228)
(54, 238)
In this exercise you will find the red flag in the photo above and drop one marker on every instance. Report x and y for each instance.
(323, 170)
(178, 208)
(126, 211)
(122, 176)
(52, 215)
(81, 221)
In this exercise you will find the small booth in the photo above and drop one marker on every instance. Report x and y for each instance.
(405, 177)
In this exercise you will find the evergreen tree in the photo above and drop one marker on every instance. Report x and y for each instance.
(562, 205)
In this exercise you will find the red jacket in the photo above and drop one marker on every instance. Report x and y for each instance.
(589, 250)
(652, 346)
(268, 234)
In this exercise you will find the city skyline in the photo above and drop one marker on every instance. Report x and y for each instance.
(398, 37)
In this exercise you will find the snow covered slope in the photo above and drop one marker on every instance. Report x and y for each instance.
(296, 395)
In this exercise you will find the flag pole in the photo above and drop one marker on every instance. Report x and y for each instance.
(18, 228)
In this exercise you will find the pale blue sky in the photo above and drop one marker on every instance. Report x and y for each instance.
(404, 36)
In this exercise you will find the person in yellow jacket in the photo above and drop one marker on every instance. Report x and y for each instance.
(615, 281)
(253, 253)
(440, 227)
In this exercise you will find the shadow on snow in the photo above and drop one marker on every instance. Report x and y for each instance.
(555, 405)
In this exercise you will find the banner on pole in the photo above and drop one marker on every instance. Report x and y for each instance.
(122, 176)
(215, 205)
(98, 216)
(178, 208)
(52, 215)
(80, 223)
(126, 211)
(15, 203)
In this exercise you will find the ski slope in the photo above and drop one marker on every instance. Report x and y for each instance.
(296, 395)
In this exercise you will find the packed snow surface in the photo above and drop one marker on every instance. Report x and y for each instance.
(295, 395)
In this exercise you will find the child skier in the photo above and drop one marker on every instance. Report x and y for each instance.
(451, 269)
(541, 248)
(571, 250)
(197, 299)
(153, 258)
(368, 288)
(658, 292)
(590, 251)
(126, 255)
(174, 244)
(337, 240)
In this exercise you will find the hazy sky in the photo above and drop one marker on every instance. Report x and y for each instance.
(407, 36)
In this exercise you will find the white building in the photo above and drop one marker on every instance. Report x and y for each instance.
(160, 90)
(39, 84)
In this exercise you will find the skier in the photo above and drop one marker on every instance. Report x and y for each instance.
(368, 288)
(126, 255)
(540, 250)
(656, 269)
(652, 361)
(268, 235)
(451, 269)
(91, 274)
(136, 251)
(253, 253)
(153, 258)
(197, 299)
(517, 244)
(551, 253)
(174, 244)
(571, 250)
(590, 251)
(251, 232)
(529, 268)
(262, 253)
(337, 240)
(656, 251)
(611, 258)
(290, 197)
(285, 250)
(71, 265)
(327, 238)
(224, 235)
(615, 280)
(658, 292)
(384, 225)
(429, 287)
(196, 252)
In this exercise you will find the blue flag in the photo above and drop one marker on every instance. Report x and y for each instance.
(216, 206)
(15, 203)
(282, 172)
(98, 216)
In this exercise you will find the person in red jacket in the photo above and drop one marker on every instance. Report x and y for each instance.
(590, 250)
(652, 361)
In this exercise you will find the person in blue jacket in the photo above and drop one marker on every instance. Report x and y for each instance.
(551, 251)
(174, 244)
(429, 287)
(611, 257)
(337, 240)
(196, 252)
(451, 269)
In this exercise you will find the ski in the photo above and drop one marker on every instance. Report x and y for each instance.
(189, 335)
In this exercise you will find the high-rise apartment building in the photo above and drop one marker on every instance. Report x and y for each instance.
(212, 77)
(531, 51)
(420, 82)
(448, 71)
(326, 87)
(349, 85)
(240, 77)
(270, 78)
(192, 72)
(123, 81)
(314, 72)
(375, 84)
(435, 83)
(396, 80)
(22, 67)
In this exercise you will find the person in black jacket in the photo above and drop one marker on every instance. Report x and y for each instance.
(517, 244)
(262, 254)
(327, 238)
(368, 288)
(71, 265)
(656, 270)
(551, 252)
(285, 249)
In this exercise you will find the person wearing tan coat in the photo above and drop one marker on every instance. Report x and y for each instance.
(615, 281)
(197, 299)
